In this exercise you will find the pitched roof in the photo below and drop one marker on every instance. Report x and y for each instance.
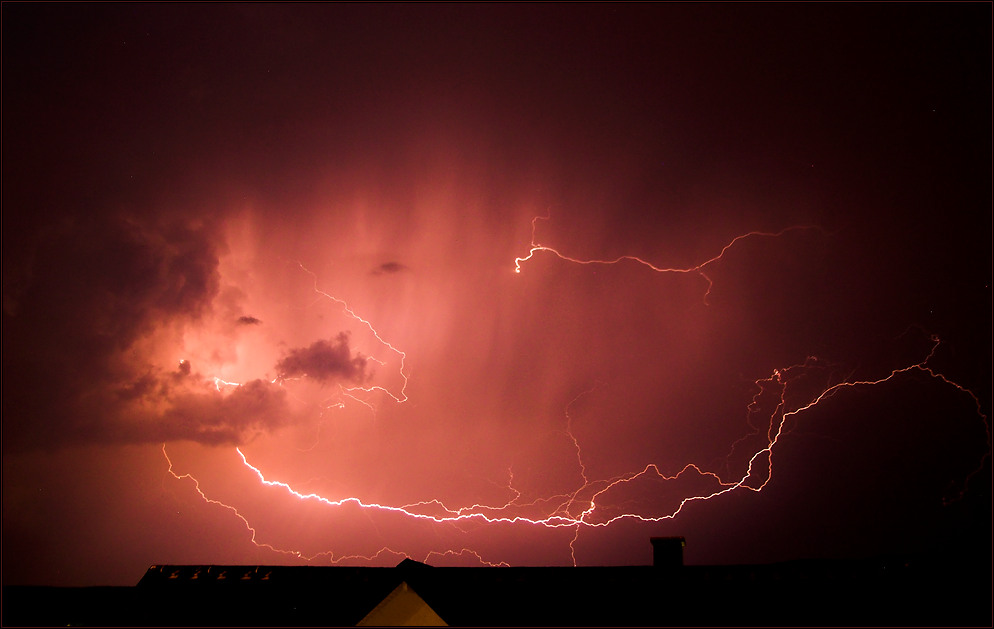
(402, 608)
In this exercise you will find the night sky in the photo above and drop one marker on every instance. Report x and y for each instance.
(280, 243)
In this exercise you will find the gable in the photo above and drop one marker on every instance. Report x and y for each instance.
(404, 608)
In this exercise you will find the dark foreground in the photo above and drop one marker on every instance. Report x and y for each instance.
(887, 592)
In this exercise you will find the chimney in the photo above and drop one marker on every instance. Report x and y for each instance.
(667, 552)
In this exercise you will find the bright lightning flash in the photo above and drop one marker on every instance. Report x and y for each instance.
(582, 508)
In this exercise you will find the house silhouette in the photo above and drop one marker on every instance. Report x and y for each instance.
(886, 590)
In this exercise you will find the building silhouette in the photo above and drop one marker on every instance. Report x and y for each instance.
(892, 590)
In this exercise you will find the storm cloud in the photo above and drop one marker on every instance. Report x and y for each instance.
(87, 310)
(324, 361)
(82, 306)
(229, 418)
(94, 308)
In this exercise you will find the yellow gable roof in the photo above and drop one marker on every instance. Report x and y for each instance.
(402, 608)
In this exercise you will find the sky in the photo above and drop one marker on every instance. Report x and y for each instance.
(488, 284)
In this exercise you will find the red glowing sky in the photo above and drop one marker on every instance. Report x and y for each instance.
(291, 233)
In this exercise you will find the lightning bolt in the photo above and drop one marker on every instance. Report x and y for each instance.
(398, 397)
(758, 474)
(589, 506)
(699, 268)
(348, 392)
(218, 503)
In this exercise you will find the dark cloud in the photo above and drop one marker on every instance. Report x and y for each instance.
(389, 268)
(158, 407)
(93, 286)
(85, 306)
(78, 303)
(324, 361)
(216, 418)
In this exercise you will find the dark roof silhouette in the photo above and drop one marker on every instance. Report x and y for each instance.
(895, 591)
(410, 564)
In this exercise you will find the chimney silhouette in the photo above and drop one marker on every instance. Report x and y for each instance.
(667, 552)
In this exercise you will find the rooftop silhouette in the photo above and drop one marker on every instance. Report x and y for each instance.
(888, 590)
